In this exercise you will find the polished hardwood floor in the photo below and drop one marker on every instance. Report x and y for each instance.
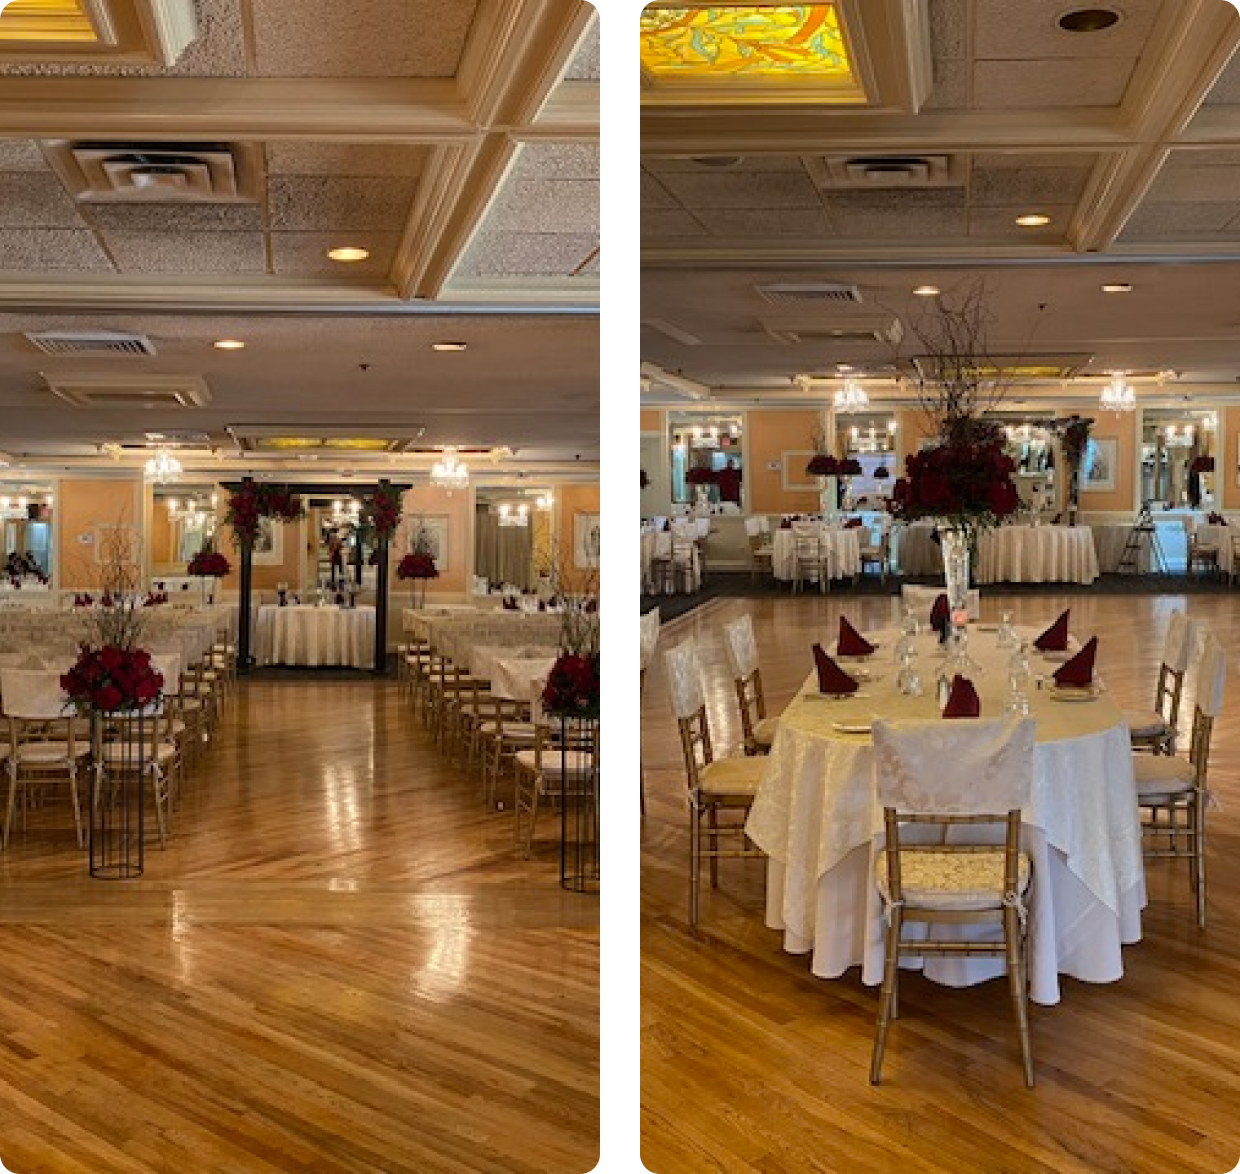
(749, 1063)
(340, 964)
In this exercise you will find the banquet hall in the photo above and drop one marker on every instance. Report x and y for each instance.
(299, 399)
(937, 333)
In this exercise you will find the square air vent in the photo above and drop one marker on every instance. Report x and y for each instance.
(94, 343)
(800, 293)
(867, 173)
(157, 173)
(129, 391)
(885, 328)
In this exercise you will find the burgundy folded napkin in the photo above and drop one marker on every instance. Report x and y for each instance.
(851, 642)
(963, 700)
(1078, 673)
(831, 678)
(667, 526)
(1055, 638)
(940, 614)
(1057, 519)
(786, 524)
(510, 604)
(1216, 520)
(853, 524)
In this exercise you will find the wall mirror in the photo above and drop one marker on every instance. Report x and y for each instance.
(707, 461)
(512, 537)
(1179, 451)
(183, 520)
(27, 510)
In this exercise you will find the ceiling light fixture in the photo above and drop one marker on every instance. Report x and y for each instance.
(163, 468)
(449, 346)
(449, 473)
(927, 291)
(1118, 395)
(1117, 287)
(228, 344)
(1088, 20)
(514, 516)
(1033, 220)
(348, 253)
(851, 397)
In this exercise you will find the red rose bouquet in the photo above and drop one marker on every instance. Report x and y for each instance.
(382, 510)
(823, 465)
(112, 680)
(417, 566)
(966, 485)
(208, 564)
(701, 475)
(1202, 465)
(573, 688)
(252, 502)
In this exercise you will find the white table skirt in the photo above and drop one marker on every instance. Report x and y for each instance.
(1110, 540)
(1037, 554)
(659, 545)
(844, 547)
(818, 819)
(917, 554)
(304, 635)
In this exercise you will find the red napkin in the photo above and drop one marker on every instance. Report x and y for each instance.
(940, 613)
(853, 524)
(1055, 638)
(831, 678)
(851, 642)
(1079, 671)
(963, 700)
(786, 524)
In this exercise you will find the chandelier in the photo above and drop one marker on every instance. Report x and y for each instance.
(163, 468)
(851, 397)
(514, 515)
(1118, 395)
(449, 473)
(194, 513)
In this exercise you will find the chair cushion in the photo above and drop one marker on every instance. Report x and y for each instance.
(118, 753)
(574, 764)
(738, 777)
(952, 880)
(1146, 723)
(1160, 774)
(50, 753)
(522, 730)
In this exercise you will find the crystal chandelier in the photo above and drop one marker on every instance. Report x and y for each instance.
(851, 397)
(163, 467)
(1118, 395)
(514, 515)
(449, 473)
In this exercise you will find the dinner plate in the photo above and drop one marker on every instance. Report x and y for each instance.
(1057, 657)
(857, 727)
(986, 627)
(1071, 693)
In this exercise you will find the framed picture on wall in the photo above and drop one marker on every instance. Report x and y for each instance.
(1098, 467)
(269, 543)
(587, 543)
(792, 463)
(431, 531)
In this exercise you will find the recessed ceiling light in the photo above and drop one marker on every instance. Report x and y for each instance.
(1033, 220)
(844, 367)
(1117, 287)
(449, 346)
(348, 253)
(717, 161)
(927, 291)
(1088, 20)
(228, 344)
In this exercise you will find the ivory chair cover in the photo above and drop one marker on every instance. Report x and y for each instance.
(843, 550)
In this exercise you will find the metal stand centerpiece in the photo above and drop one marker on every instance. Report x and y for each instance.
(119, 746)
(579, 812)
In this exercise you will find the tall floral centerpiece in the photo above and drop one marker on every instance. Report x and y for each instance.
(963, 479)
(826, 468)
(1074, 441)
(702, 477)
(210, 566)
(418, 566)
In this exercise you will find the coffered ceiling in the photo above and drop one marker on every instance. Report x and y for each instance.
(187, 189)
(1126, 139)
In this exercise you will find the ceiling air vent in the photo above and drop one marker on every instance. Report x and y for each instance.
(129, 391)
(97, 342)
(157, 173)
(884, 328)
(800, 293)
(882, 172)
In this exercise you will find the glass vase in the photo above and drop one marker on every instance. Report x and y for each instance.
(955, 545)
(829, 499)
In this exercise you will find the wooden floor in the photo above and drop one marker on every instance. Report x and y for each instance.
(752, 1064)
(340, 964)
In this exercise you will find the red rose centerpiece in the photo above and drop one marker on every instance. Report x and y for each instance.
(251, 503)
(112, 680)
(208, 564)
(968, 485)
(573, 688)
(418, 565)
(383, 509)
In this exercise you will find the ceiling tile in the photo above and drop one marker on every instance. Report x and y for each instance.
(949, 20)
(326, 204)
(381, 38)
(742, 189)
(21, 155)
(670, 222)
(35, 200)
(187, 252)
(289, 157)
(1008, 186)
(1017, 31)
(1173, 221)
(557, 161)
(537, 205)
(669, 166)
(655, 195)
(177, 217)
(908, 215)
(33, 250)
(951, 86)
(1191, 182)
(591, 268)
(761, 223)
(584, 65)
(1226, 91)
(525, 255)
(1015, 85)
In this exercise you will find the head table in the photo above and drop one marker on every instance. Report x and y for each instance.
(302, 634)
(817, 817)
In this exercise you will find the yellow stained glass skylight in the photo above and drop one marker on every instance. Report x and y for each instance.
(795, 41)
(338, 443)
(46, 20)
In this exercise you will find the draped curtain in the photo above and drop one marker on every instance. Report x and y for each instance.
(503, 554)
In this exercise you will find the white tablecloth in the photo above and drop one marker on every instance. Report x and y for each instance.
(817, 817)
(513, 677)
(1110, 539)
(306, 635)
(1037, 554)
(1221, 537)
(658, 545)
(844, 547)
(917, 554)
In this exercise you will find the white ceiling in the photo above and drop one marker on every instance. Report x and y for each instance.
(1128, 139)
(457, 141)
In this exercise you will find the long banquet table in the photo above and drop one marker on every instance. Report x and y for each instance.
(817, 817)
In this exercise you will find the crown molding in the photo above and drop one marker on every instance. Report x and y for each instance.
(578, 295)
(571, 111)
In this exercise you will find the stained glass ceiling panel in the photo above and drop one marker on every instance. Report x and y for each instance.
(46, 20)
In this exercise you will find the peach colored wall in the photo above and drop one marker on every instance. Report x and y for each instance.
(1227, 459)
(430, 501)
(768, 436)
(81, 506)
(653, 420)
(265, 578)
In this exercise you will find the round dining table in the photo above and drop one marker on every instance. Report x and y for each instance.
(1037, 554)
(843, 546)
(817, 818)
